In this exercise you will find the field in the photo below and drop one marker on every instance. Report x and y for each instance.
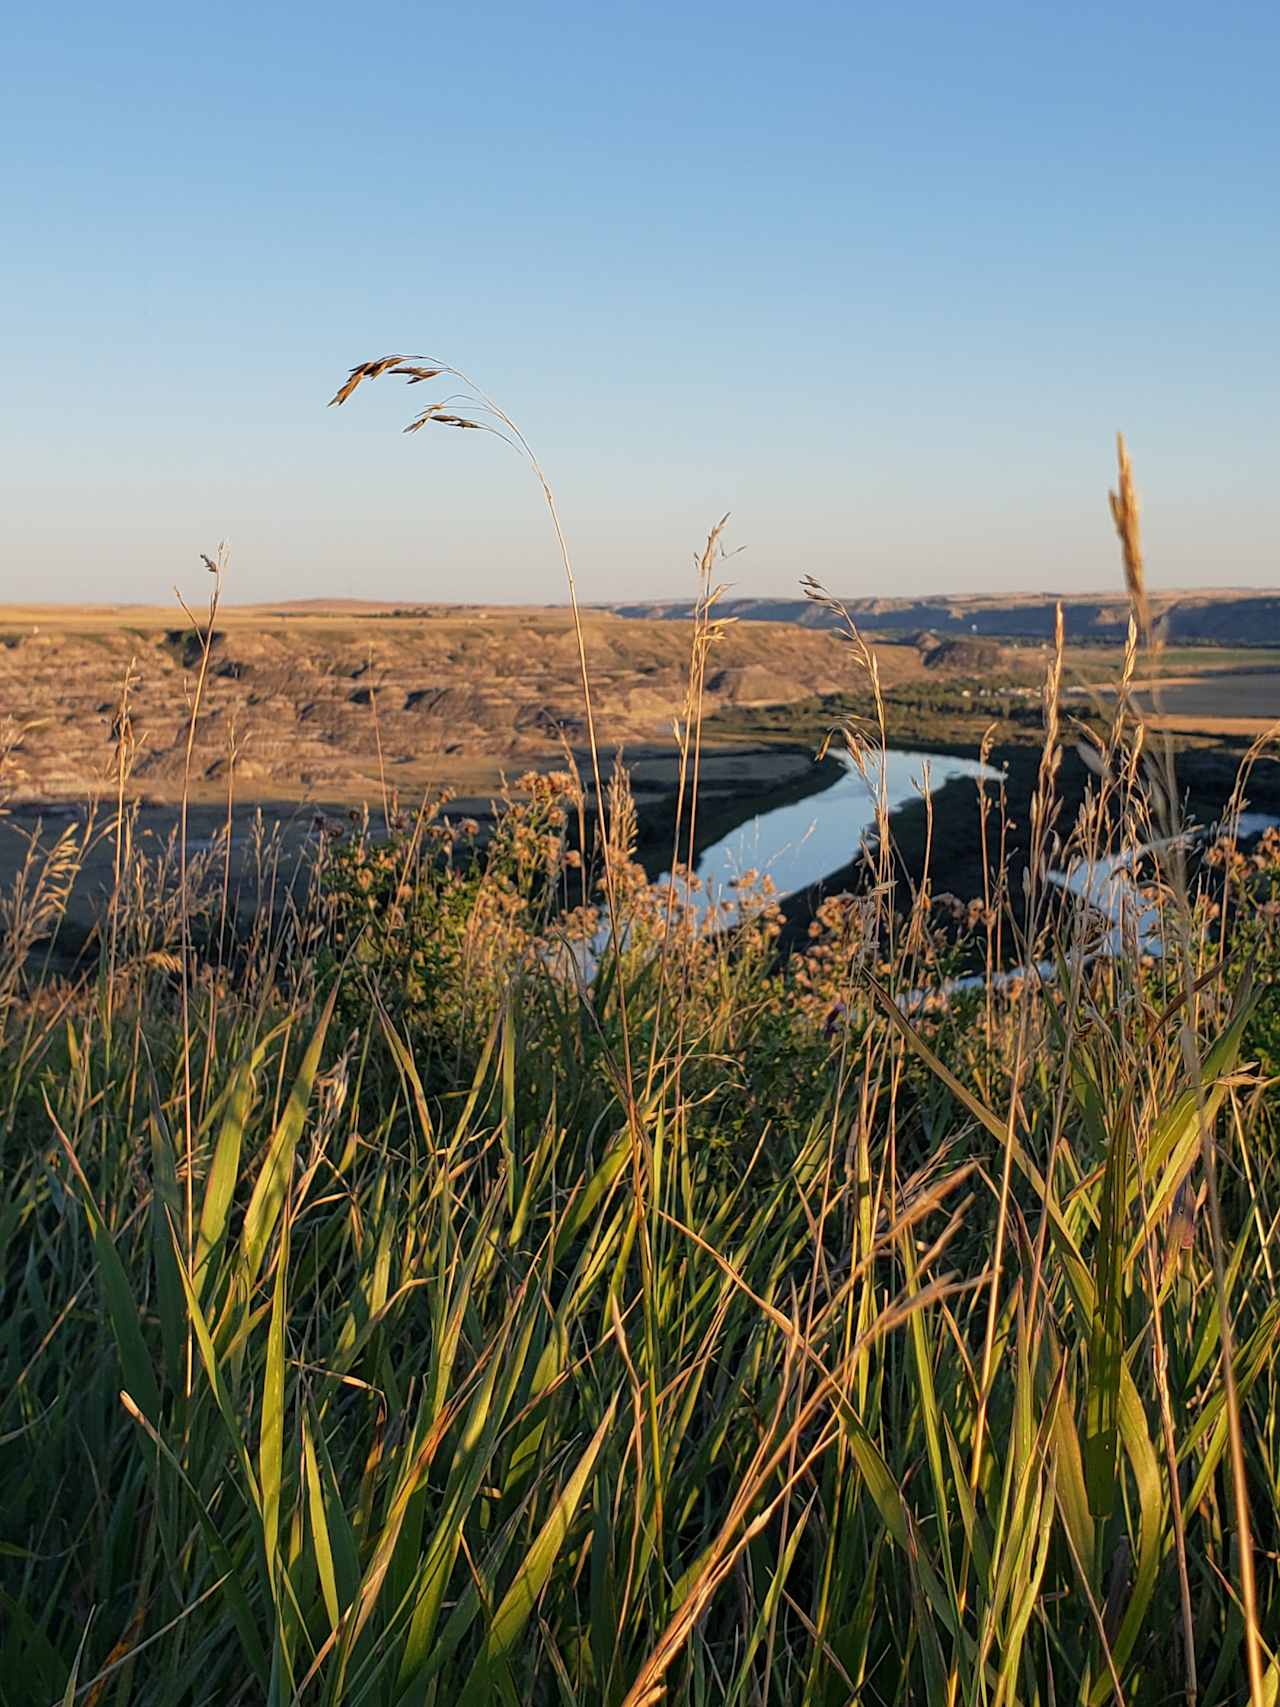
(1238, 696)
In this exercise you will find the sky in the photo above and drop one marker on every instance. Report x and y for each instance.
(880, 280)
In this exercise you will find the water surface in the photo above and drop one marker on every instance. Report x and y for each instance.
(806, 841)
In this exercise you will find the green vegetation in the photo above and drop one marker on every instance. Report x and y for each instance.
(391, 1316)
(395, 1313)
(1174, 659)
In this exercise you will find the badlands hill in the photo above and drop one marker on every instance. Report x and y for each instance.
(1235, 617)
(306, 696)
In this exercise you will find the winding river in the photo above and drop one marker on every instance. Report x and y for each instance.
(803, 842)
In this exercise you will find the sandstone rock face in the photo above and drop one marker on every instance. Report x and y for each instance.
(302, 705)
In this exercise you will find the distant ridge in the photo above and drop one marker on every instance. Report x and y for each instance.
(1236, 617)
(1229, 616)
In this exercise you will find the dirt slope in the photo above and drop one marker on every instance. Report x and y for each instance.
(306, 698)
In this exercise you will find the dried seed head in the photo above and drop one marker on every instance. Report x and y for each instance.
(428, 414)
(366, 370)
(435, 412)
(416, 375)
(1125, 514)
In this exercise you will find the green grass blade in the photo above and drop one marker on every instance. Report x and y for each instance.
(269, 1189)
(509, 1621)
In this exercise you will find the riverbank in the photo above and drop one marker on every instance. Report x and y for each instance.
(942, 841)
(261, 849)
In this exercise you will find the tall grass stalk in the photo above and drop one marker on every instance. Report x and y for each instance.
(1125, 513)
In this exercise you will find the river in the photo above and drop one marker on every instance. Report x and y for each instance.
(801, 843)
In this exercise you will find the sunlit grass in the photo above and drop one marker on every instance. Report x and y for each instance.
(393, 1314)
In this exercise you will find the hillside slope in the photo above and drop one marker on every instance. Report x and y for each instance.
(308, 699)
(1233, 617)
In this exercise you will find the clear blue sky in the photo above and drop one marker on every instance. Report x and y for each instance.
(883, 280)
